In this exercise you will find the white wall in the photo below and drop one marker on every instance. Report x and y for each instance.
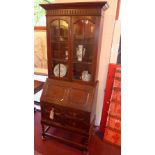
(107, 37)
(115, 42)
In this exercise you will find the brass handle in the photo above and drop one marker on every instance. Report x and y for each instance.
(52, 114)
(61, 99)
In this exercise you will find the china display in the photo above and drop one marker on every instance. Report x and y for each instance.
(69, 94)
(80, 52)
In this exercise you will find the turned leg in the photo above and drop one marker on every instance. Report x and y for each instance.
(43, 132)
(85, 152)
(85, 142)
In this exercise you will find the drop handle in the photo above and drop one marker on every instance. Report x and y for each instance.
(52, 114)
(61, 99)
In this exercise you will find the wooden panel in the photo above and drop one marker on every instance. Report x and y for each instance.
(78, 96)
(68, 94)
(56, 92)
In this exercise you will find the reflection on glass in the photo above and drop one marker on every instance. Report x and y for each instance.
(84, 29)
(83, 37)
(59, 35)
(89, 29)
(55, 29)
(86, 55)
(82, 72)
(80, 52)
(63, 30)
(83, 49)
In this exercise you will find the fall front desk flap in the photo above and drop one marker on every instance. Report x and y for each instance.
(68, 94)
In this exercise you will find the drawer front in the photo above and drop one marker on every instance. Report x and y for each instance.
(57, 114)
(77, 124)
(77, 115)
(66, 116)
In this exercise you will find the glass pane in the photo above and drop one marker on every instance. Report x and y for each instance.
(64, 51)
(59, 35)
(60, 50)
(55, 30)
(79, 30)
(63, 30)
(55, 49)
(82, 72)
(83, 41)
(89, 29)
(83, 30)
(60, 69)
(82, 52)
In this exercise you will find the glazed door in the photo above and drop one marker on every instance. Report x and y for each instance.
(59, 47)
(83, 36)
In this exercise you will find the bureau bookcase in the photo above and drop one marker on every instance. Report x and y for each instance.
(68, 100)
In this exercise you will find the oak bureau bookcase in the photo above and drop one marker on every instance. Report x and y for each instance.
(68, 98)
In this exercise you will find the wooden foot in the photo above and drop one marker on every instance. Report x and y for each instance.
(85, 152)
(43, 132)
(43, 138)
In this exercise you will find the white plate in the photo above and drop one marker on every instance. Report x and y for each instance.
(63, 70)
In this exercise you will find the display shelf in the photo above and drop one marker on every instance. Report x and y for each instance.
(59, 60)
(82, 62)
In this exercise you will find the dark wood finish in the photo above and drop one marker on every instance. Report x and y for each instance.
(73, 108)
(76, 5)
(68, 102)
(51, 147)
(72, 13)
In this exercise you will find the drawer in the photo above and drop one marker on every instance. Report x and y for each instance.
(77, 115)
(77, 124)
(65, 116)
(58, 116)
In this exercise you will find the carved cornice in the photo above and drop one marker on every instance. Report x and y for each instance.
(74, 12)
(74, 9)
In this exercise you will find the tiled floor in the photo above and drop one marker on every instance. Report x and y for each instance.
(52, 147)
